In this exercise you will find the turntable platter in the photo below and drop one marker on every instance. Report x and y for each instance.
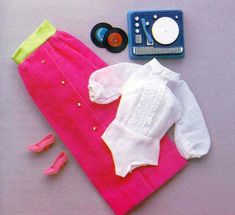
(165, 30)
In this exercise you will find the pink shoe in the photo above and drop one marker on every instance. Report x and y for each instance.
(57, 165)
(42, 144)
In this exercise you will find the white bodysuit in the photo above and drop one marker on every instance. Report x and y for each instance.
(153, 99)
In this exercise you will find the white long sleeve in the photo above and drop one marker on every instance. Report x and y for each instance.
(191, 135)
(105, 85)
(153, 99)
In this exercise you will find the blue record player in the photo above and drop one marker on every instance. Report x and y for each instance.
(156, 33)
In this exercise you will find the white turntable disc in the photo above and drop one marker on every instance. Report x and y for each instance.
(165, 30)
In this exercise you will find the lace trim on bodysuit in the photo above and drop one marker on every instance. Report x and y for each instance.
(147, 106)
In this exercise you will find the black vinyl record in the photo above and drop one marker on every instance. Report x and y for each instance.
(98, 32)
(115, 40)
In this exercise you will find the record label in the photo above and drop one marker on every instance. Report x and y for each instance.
(100, 34)
(115, 39)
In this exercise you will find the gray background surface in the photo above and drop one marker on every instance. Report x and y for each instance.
(206, 186)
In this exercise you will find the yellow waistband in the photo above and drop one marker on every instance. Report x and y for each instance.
(42, 33)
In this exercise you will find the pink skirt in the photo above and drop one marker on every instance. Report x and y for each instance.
(55, 72)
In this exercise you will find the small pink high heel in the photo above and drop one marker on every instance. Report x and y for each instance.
(42, 144)
(59, 162)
